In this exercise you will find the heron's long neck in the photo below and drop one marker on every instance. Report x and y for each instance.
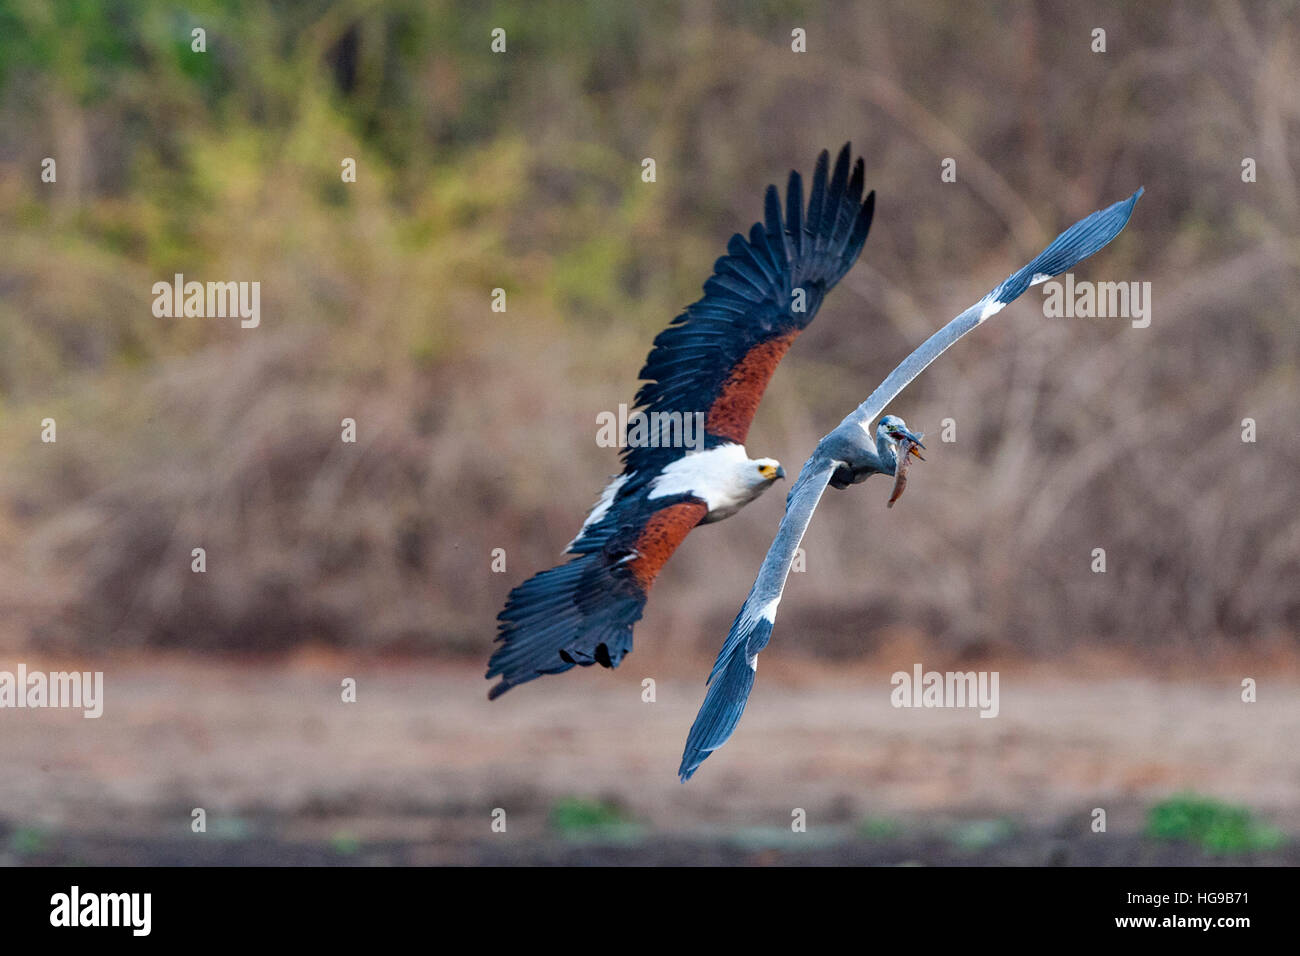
(887, 453)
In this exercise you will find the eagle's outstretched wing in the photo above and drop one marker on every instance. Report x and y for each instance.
(732, 677)
(717, 357)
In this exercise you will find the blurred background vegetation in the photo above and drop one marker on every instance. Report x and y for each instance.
(521, 170)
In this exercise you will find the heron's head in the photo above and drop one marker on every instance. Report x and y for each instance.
(768, 470)
(892, 428)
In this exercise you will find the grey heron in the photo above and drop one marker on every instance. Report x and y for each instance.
(849, 454)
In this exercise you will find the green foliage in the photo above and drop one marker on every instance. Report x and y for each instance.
(880, 828)
(580, 818)
(27, 841)
(1214, 826)
(345, 843)
(975, 835)
(572, 814)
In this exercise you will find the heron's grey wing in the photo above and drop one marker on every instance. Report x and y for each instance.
(732, 677)
(1077, 243)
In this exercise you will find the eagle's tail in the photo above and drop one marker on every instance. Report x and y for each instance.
(580, 613)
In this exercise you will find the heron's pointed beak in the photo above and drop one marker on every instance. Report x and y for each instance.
(915, 439)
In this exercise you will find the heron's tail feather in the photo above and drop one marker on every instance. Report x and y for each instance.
(1071, 247)
(577, 614)
(729, 686)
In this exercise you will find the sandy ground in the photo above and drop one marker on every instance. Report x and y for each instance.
(288, 772)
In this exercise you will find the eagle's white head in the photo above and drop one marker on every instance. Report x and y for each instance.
(767, 469)
(725, 478)
(737, 481)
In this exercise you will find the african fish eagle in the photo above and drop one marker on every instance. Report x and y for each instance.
(715, 359)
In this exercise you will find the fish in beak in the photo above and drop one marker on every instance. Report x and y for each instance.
(907, 445)
(913, 443)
